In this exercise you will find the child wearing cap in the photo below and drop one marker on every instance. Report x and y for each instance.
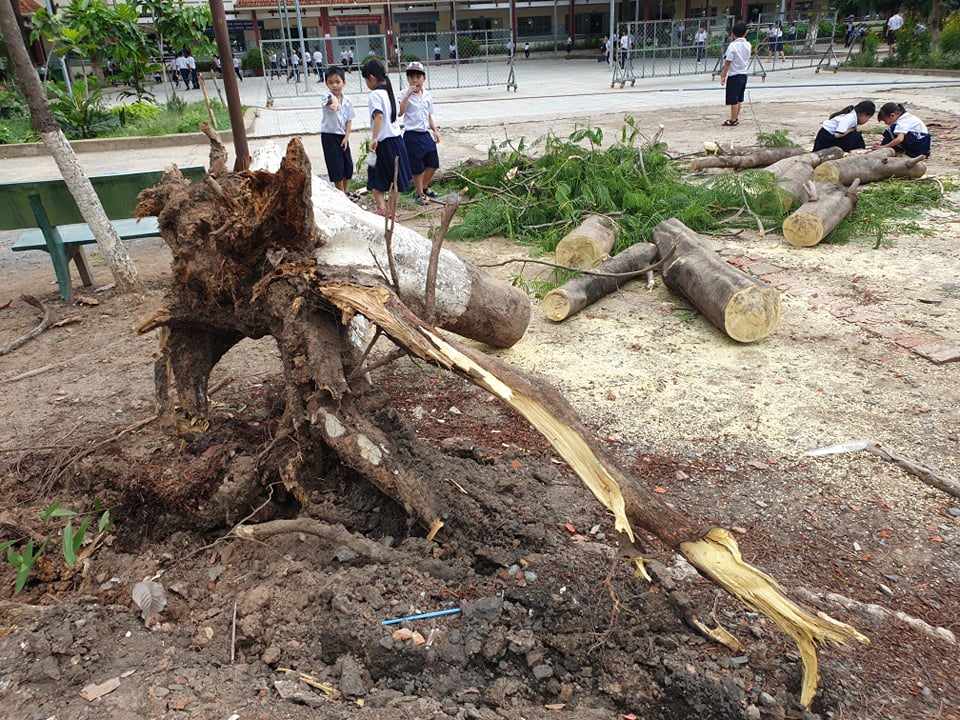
(335, 124)
(416, 107)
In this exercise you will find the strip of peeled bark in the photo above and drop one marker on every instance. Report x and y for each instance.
(713, 552)
(743, 307)
(817, 218)
(579, 292)
(869, 167)
(760, 157)
(587, 245)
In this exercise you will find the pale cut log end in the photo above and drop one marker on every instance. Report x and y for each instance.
(556, 306)
(752, 313)
(826, 172)
(803, 229)
(580, 252)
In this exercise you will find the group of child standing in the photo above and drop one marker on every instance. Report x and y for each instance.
(905, 133)
(411, 155)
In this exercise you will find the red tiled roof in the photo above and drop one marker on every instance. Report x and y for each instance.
(28, 7)
(268, 5)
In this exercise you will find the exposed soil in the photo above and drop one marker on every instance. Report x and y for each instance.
(551, 620)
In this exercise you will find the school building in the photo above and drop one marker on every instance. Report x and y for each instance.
(252, 21)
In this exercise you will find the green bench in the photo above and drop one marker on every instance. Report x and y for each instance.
(57, 227)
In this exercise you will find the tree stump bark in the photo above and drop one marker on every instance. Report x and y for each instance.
(576, 294)
(817, 218)
(743, 307)
(795, 172)
(759, 157)
(869, 167)
(588, 245)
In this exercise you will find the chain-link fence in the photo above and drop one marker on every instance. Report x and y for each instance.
(466, 59)
(662, 48)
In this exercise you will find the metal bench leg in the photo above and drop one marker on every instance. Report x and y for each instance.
(79, 258)
(55, 247)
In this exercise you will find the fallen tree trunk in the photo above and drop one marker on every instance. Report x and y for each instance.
(760, 157)
(817, 217)
(743, 307)
(793, 173)
(576, 294)
(245, 265)
(587, 245)
(869, 167)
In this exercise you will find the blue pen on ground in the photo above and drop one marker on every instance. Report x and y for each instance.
(422, 616)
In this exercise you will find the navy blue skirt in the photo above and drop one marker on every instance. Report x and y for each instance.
(380, 176)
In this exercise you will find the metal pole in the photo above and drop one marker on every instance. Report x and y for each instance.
(230, 85)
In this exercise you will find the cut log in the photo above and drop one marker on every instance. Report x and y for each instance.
(589, 244)
(760, 157)
(793, 174)
(743, 307)
(869, 167)
(817, 218)
(574, 295)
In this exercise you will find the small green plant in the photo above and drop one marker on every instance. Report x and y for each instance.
(685, 316)
(73, 541)
(778, 138)
(80, 116)
(253, 60)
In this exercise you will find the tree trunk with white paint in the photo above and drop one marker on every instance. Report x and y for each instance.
(743, 307)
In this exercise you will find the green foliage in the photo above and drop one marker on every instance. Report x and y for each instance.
(139, 112)
(778, 138)
(253, 60)
(537, 201)
(79, 116)
(913, 45)
(12, 103)
(73, 540)
(950, 34)
(892, 206)
(468, 48)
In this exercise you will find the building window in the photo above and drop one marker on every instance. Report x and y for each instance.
(535, 25)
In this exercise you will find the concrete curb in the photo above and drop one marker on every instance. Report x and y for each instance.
(126, 143)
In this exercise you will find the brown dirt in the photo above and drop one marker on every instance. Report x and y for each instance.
(551, 622)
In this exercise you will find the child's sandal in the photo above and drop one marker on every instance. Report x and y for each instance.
(730, 123)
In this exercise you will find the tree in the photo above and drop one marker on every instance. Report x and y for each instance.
(97, 32)
(177, 25)
(124, 271)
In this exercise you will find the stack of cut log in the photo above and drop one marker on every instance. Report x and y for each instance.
(743, 307)
(824, 186)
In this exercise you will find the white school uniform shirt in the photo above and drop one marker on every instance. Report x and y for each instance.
(378, 100)
(895, 22)
(180, 62)
(701, 37)
(317, 58)
(908, 125)
(841, 123)
(335, 121)
(191, 63)
(738, 53)
(419, 110)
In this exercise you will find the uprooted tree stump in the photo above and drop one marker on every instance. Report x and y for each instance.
(247, 264)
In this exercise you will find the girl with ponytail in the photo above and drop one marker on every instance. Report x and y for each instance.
(386, 144)
(840, 129)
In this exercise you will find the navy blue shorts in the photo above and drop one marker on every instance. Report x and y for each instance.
(339, 161)
(380, 176)
(422, 150)
(736, 84)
